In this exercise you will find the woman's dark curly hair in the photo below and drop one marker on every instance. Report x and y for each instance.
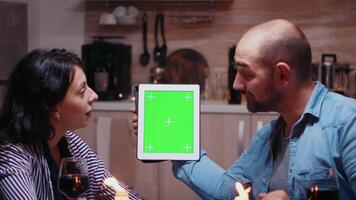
(39, 81)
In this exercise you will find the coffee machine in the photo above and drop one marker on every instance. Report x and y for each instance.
(334, 75)
(108, 68)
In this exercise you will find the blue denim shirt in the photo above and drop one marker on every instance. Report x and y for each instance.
(324, 137)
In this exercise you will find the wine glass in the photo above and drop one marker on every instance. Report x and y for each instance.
(317, 184)
(73, 178)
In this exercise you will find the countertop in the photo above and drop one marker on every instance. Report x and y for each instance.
(206, 106)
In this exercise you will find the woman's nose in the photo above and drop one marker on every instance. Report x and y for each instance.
(239, 83)
(93, 96)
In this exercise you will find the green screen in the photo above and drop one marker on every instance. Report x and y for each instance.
(168, 122)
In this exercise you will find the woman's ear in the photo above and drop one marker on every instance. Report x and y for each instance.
(282, 73)
(55, 114)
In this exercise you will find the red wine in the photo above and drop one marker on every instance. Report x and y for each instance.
(322, 195)
(73, 186)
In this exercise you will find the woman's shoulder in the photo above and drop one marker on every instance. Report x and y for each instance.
(73, 137)
(17, 150)
(14, 157)
(77, 146)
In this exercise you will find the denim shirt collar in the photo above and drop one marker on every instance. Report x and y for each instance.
(311, 112)
(316, 99)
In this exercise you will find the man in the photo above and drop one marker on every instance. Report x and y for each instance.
(316, 130)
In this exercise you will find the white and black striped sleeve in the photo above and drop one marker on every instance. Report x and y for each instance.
(15, 177)
(17, 185)
(97, 171)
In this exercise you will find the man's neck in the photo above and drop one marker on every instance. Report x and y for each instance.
(294, 105)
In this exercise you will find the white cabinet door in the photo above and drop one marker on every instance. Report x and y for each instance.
(170, 187)
(119, 151)
(261, 119)
(225, 136)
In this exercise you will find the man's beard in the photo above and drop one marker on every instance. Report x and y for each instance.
(267, 105)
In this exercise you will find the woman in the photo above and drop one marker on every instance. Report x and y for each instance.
(46, 98)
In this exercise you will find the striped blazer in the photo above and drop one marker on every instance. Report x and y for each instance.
(24, 172)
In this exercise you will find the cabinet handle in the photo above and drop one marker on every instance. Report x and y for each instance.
(241, 136)
(103, 131)
(259, 125)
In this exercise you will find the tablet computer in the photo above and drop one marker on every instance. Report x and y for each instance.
(168, 122)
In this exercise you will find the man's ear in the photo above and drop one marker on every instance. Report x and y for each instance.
(282, 73)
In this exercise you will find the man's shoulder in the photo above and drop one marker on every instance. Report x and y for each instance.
(339, 103)
(337, 109)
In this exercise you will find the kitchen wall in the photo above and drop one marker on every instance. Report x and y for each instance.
(53, 23)
(15, 1)
(13, 38)
(330, 26)
(50, 23)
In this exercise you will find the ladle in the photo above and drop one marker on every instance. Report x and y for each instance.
(156, 50)
(145, 56)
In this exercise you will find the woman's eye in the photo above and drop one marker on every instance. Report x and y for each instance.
(81, 92)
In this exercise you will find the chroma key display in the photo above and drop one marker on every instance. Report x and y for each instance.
(169, 122)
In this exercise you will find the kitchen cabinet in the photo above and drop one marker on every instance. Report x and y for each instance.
(224, 135)
(220, 138)
(166, 1)
(110, 134)
(259, 120)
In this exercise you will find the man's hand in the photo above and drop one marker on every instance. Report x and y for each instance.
(275, 195)
(134, 121)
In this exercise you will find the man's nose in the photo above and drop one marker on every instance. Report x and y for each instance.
(239, 83)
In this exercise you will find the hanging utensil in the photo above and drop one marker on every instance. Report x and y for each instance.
(159, 52)
(163, 49)
(145, 56)
(156, 50)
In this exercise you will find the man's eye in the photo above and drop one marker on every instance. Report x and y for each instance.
(236, 66)
(239, 66)
(246, 74)
(242, 70)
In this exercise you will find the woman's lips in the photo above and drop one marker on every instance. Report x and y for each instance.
(88, 114)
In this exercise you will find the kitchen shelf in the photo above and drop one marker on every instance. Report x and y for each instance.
(187, 1)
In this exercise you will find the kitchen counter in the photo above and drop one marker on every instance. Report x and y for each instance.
(206, 106)
(226, 130)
